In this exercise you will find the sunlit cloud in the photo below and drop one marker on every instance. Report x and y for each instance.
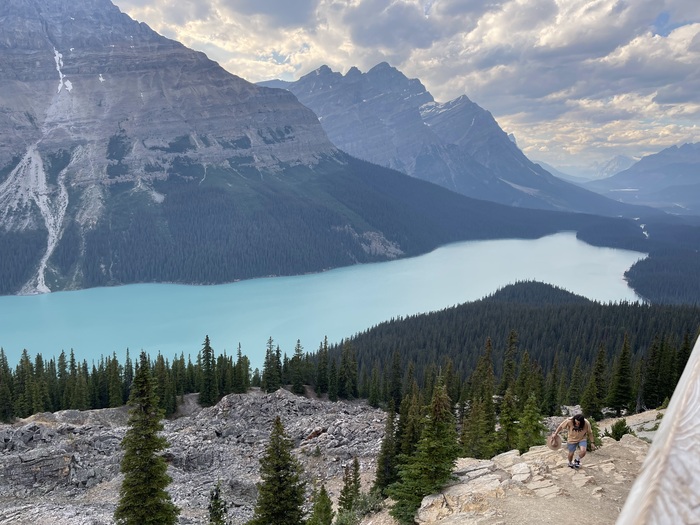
(576, 81)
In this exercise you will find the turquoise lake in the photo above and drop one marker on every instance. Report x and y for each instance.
(172, 319)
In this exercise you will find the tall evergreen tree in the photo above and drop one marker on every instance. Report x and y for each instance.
(322, 368)
(394, 385)
(297, 370)
(350, 493)
(347, 373)
(374, 388)
(281, 491)
(322, 509)
(115, 383)
(620, 396)
(332, 381)
(508, 423)
(6, 409)
(209, 388)
(590, 401)
(479, 426)
(271, 380)
(576, 386)
(531, 430)
(143, 499)
(600, 372)
(651, 388)
(431, 465)
(509, 364)
(386, 461)
(551, 403)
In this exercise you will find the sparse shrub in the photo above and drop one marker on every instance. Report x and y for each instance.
(619, 429)
(596, 435)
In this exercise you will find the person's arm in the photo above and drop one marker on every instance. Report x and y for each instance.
(591, 438)
(559, 428)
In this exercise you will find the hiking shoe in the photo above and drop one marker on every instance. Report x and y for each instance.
(571, 465)
(577, 463)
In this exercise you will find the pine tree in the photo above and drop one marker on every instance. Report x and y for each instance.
(281, 491)
(322, 368)
(350, 493)
(651, 391)
(531, 430)
(115, 388)
(297, 370)
(573, 396)
(374, 388)
(387, 461)
(271, 380)
(550, 404)
(508, 431)
(410, 422)
(394, 385)
(143, 499)
(322, 510)
(600, 372)
(208, 389)
(509, 364)
(332, 381)
(6, 409)
(347, 373)
(431, 466)
(620, 396)
(590, 402)
(218, 510)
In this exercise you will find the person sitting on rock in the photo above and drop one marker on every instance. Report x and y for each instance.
(578, 428)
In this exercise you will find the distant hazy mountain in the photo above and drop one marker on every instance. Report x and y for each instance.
(561, 174)
(668, 180)
(388, 119)
(586, 173)
(126, 157)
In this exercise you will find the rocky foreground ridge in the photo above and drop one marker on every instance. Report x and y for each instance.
(63, 468)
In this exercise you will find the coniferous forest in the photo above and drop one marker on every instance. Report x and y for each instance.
(536, 338)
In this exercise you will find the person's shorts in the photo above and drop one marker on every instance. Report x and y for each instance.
(573, 446)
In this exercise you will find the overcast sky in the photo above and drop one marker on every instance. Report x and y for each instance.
(575, 81)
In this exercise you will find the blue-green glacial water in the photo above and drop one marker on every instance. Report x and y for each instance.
(172, 319)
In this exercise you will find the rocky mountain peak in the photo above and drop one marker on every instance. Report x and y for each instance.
(386, 118)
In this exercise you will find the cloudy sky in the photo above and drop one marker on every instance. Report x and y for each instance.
(576, 81)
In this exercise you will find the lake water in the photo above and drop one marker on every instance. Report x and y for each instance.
(338, 303)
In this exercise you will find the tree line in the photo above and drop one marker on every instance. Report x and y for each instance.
(558, 340)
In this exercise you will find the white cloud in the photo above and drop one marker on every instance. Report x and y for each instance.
(590, 78)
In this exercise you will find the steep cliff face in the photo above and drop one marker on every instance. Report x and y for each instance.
(386, 118)
(101, 118)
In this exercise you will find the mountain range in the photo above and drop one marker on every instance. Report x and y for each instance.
(127, 157)
(668, 180)
(386, 118)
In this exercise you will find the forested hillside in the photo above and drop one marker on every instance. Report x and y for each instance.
(552, 326)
